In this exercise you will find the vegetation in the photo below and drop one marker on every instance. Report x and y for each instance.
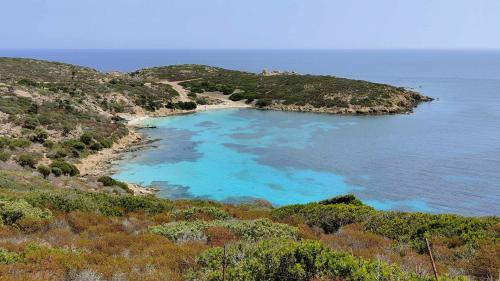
(338, 94)
(78, 232)
(64, 227)
(293, 260)
(109, 181)
(245, 229)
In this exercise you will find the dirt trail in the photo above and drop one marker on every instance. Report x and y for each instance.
(183, 93)
(225, 102)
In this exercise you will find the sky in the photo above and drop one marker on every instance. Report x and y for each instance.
(250, 24)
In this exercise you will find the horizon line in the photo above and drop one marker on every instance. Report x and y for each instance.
(249, 49)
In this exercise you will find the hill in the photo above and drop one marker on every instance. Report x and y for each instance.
(291, 91)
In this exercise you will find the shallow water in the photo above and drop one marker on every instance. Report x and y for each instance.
(391, 162)
(445, 157)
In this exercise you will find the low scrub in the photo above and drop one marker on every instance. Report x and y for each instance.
(293, 260)
(184, 231)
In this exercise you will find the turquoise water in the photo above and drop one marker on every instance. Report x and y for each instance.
(445, 157)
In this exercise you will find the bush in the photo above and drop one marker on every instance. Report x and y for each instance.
(107, 143)
(66, 168)
(183, 231)
(188, 105)
(262, 103)
(7, 257)
(328, 217)
(101, 203)
(276, 260)
(202, 212)
(56, 171)
(27, 160)
(343, 199)
(236, 97)
(44, 170)
(19, 143)
(12, 211)
(31, 123)
(79, 145)
(96, 146)
(39, 136)
(109, 181)
(412, 227)
(4, 156)
(86, 138)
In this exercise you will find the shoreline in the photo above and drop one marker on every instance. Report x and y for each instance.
(100, 163)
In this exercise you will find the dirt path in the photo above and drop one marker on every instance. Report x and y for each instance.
(183, 93)
(225, 102)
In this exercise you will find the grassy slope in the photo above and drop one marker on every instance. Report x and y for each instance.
(333, 94)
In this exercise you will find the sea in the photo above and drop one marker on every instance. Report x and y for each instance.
(442, 158)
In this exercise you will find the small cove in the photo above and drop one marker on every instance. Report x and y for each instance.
(236, 155)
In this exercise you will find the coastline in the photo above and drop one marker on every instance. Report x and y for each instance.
(99, 164)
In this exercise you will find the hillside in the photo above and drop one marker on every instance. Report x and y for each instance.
(291, 91)
(68, 233)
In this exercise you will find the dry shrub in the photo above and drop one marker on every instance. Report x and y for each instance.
(80, 221)
(219, 236)
(247, 212)
(307, 232)
(161, 218)
(354, 239)
(486, 264)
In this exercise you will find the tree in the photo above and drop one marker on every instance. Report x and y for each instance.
(44, 170)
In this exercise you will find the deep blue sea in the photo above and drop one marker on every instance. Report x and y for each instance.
(443, 158)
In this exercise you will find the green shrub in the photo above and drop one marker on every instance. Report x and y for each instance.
(86, 138)
(101, 203)
(4, 156)
(31, 123)
(7, 257)
(12, 211)
(96, 146)
(193, 212)
(182, 231)
(412, 227)
(236, 97)
(27, 160)
(79, 145)
(39, 136)
(109, 181)
(44, 170)
(27, 82)
(329, 217)
(342, 199)
(263, 103)
(66, 168)
(107, 143)
(276, 260)
(48, 144)
(59, 153)
(19, 143)
(188, 105)
(56, 171)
